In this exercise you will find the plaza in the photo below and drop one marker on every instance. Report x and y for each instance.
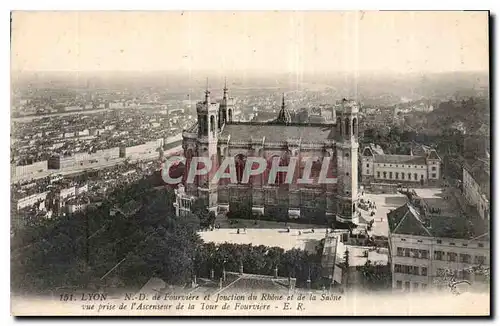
(306, 240)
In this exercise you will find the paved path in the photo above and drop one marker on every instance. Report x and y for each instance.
(384, 203)
(267, 237)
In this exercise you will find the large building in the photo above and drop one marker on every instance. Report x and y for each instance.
(215, 135)
(427, 245)
(476, 186)
(423, 168)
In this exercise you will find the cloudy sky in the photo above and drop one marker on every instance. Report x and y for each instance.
(305, 42)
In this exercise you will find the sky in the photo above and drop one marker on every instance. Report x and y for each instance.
(294, 42)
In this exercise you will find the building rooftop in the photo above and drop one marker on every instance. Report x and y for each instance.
(400, 159)
(480, 171)
(236, 282)
(307, 133)
(411, 220)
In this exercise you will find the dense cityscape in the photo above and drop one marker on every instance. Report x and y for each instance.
(86, 168)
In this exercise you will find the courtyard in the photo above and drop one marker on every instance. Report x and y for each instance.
(384, 203)
(280, 237)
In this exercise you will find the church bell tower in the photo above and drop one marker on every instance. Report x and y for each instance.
(347, 161)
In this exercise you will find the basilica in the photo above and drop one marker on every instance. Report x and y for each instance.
(217, 136)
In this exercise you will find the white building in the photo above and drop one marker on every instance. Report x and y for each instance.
(400, 169)
(144, 151)
(81, 190)
(182, 203)
(423, 246)
(476, 186)
(67, 193)
(31, 200)
(29, 170)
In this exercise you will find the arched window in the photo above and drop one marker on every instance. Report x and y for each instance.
(240, 161)
(409, 176)
(281, 176)
(416, 176)
(347, 127)
(205, 127)
(355, 126)
(315, 169)
(339, 126)
(353, 208)
(230, 115)
(212, 124)
(189, 156)
(385, 175)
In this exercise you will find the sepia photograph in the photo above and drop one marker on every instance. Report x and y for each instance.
(250, 163)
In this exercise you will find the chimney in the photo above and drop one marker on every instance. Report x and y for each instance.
(276, 271)
(220, 283)
(212, 274)
(241, 268)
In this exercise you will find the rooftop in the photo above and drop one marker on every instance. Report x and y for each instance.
(307, 133)
(398, 159)
(416, 218)
(480, 171)
(236, 282)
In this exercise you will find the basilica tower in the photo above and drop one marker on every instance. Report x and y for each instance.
(347, 161)
(208, 132)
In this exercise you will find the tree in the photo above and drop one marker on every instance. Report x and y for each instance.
(152, 242)
(200, 210)
(376, 277)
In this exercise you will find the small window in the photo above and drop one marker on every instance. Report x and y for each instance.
(346, 154)
(480, 245)
(347, 173)
(399, 284)
(452, 243)
(367, 165)
(464, 244)
(439, 241)
(419, 241)
(403, 239)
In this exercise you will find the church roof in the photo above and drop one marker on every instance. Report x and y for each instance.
(278, 132)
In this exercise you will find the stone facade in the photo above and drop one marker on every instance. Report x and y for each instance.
(217, 136)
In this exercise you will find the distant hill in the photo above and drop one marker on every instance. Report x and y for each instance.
(473, 113)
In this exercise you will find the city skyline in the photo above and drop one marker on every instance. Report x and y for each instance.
(257, 42)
